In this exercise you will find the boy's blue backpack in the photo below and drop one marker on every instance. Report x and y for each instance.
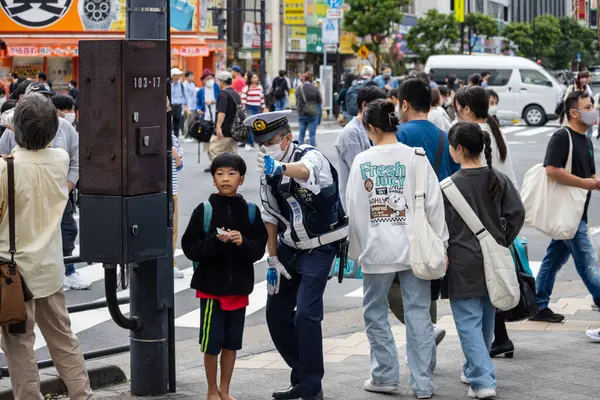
(208, 218)
(351, 101)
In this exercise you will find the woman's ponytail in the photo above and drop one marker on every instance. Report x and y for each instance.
(502, 148)
(494, 186)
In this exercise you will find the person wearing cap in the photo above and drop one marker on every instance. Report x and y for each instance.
(178, 101)
(306, 223)
(227, 103)
(66, 138)
(239, 82)
(190, 89)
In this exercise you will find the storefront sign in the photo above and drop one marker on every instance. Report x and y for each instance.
(459, 10)
(251, 36)
(347, 40)
(581, 9)
(314, 41)
(42, 51)
(297, 39)
(34, 16)
(314, 11)
(293, 12)
(190, 51)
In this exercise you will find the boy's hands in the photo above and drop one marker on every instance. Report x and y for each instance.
(228, 235)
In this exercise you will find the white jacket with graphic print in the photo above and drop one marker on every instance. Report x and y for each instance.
(381, 202)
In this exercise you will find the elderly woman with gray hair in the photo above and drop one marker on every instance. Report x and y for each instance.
(41, 191)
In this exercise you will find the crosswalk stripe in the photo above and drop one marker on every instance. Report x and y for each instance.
(534, 131)
(512, 129)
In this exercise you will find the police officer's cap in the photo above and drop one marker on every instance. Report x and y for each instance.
(267, 125)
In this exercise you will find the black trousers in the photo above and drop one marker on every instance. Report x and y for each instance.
(177, 112)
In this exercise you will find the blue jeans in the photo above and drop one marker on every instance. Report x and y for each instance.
(294, 315)
(474, 318)
(420, 345)
(310, 123)
(280, 104)
(252, 110)
(586, 263)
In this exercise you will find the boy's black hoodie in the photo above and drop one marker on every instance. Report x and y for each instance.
(224, 268)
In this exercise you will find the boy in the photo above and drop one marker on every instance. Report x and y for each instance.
(224, 277)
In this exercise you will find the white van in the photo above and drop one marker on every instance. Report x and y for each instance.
(526, 90)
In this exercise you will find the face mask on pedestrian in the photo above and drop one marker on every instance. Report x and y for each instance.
(70, 117)
(210, 83)
(493, 110)
(275, 150)
(588, 117)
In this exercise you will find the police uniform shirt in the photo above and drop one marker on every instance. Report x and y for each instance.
(320, 178)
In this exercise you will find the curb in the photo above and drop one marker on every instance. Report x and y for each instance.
(100, 377)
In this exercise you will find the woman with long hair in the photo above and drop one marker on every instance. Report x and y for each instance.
(496, 202)
(253, 99)
(437, 113)
(380, 207)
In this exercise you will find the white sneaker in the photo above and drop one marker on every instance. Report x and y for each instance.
(177, 273)
(369, 386)
(463, 378)
(76, 282)
(248, 147)
(594, 335)
(189, 140)
(484, 393)
(439, 334)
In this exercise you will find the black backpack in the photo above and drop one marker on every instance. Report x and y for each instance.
(279, 88)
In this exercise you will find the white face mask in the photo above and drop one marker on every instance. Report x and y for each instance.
(70, 117)
(493, 110)
(274, 151)
(210, 83)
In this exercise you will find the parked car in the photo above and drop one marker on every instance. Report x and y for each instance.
(527, 91)
(595, 71)
(564, 76)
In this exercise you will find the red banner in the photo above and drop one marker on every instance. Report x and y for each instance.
(581, 9)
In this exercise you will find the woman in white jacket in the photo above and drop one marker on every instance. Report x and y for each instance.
(380, 200)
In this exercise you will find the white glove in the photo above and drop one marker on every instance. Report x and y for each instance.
(276, 269)
(268, 165)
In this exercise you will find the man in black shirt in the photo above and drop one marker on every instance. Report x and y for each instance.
(581, 114)
(227, 103)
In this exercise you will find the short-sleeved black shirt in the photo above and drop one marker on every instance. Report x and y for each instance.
(227, 104)
(583, 156)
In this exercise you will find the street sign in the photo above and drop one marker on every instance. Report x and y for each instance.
(459, 10)
(363, 52)
(331, 31)
(331, 47)
(578, 57)
(335, 3)
(335, 13)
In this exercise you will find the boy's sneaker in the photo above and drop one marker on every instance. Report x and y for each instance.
(369, 386)
(76, 282)
(594, 335)
(177, 273)
(547, 315)
(439, 334)
(484, 393)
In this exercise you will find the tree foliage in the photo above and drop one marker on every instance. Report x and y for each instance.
(372, 20)
(519, 34)
(574, 39)
(481, 24)
(545, 35)
(435, 33)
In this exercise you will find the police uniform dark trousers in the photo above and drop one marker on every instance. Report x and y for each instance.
(297, 334)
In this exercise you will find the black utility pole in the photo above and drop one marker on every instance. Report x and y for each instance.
(534, 14)
(153, 343)
(263, 32)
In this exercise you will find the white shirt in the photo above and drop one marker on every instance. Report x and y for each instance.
(380, 206)
(40, 200)
(209, 94)
(320, 177)
(440, 118)
(505, 167)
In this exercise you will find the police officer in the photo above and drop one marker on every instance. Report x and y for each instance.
(306, 226)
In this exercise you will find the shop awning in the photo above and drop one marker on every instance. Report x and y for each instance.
(49, 46)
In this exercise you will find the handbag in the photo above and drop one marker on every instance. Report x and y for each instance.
(203, 129)
(527, 307)
(551, 207)
(352, 270)
(182, 15)
(13, 290)
(310, 108)
(498, 265)
(239, 131)
(427, 250)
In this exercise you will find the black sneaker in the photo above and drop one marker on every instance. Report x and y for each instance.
(547, 315)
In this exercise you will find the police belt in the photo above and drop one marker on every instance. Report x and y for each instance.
(330, 237)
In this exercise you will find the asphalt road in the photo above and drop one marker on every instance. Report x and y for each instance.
(96, 330)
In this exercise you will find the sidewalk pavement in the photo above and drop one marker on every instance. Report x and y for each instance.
(552, 361)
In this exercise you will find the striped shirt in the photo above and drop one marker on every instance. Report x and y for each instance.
(175, 181)
(253, 96)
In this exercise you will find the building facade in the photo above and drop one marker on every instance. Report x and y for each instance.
(527, 10)
(46, 39)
